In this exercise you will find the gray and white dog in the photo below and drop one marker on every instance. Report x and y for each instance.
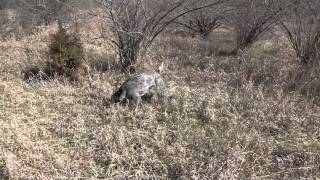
(136, 87)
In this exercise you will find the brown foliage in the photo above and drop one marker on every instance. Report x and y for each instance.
(66, 54)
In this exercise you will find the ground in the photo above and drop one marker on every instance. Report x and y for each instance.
(221, 116)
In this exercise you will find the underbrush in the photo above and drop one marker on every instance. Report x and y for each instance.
(221, 117)
(265, 65)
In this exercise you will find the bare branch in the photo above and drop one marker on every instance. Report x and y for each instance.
(136, 23)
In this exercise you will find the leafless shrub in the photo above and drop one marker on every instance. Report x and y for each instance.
(7, 23)
(83, 4)
(300, 21)
(38, 12)
(2, 4)
(32, 13)
(204, 21)
(251, 20)
(136, 23)
(7, 4)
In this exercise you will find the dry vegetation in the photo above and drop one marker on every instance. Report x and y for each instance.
(245, 116)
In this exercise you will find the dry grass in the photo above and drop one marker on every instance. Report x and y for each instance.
(225, 117)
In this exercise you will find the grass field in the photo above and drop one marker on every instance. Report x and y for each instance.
(226, 117)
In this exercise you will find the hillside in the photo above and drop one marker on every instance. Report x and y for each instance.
(221, 116)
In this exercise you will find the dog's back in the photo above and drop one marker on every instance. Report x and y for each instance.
(136, 87)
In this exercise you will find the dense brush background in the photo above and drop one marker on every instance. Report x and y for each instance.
(250, 115)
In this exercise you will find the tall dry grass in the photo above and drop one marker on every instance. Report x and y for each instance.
(222, 117)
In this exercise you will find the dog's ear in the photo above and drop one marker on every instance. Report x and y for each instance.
(160, 68)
